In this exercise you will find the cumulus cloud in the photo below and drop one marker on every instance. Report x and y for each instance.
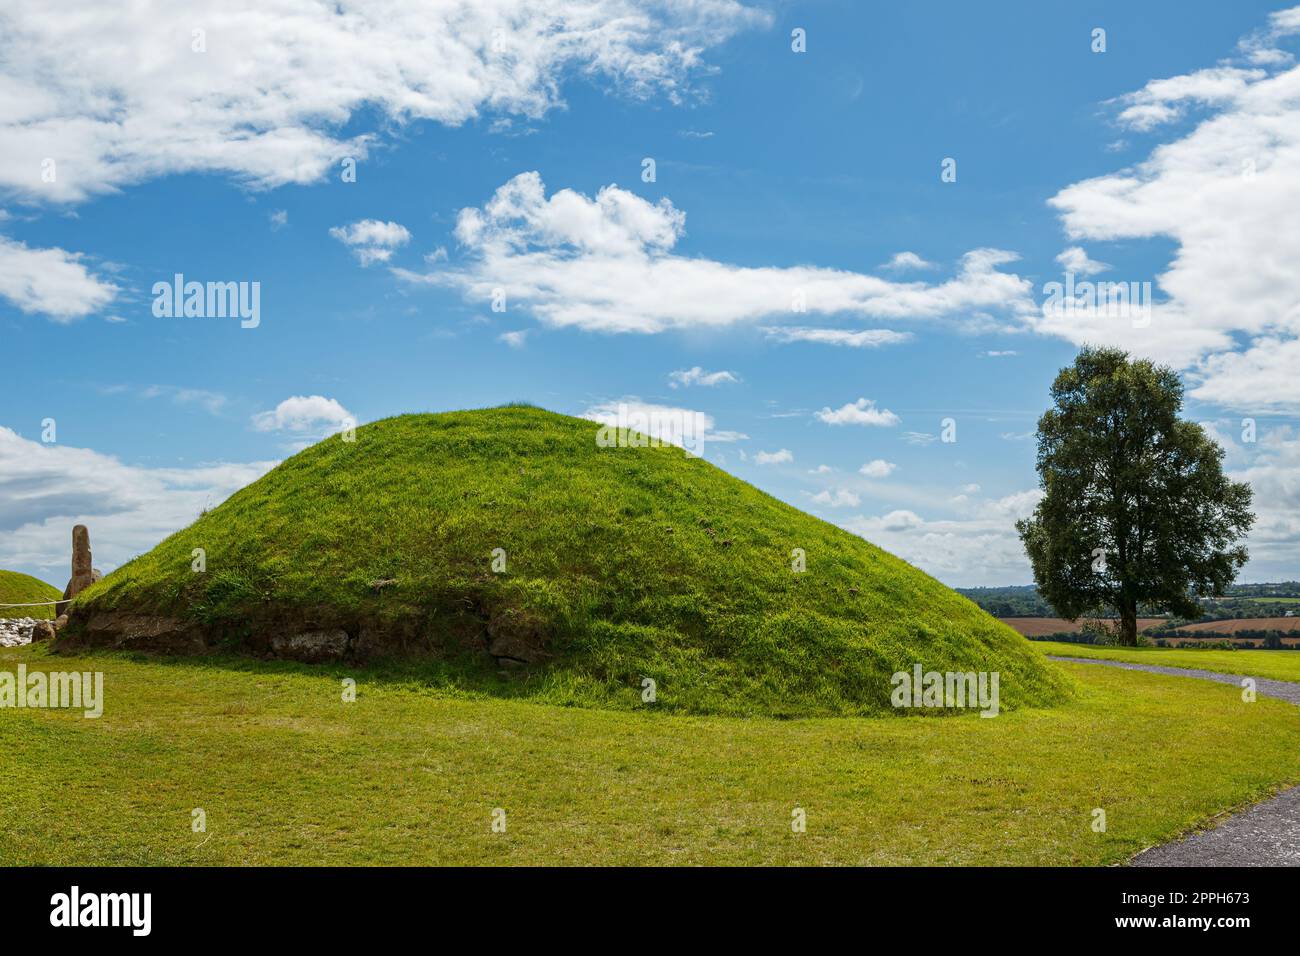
(907, 260)
(861, 339)
(978, 547)
(46, 489)
(839, 498)
(667, 423)
(606, 263)
(1076, 260)
(878, 468)
(1274, 473)
(266, 88)
(1164, 100)
(1225, 193)
(782, 457)
(51, 282)
(515, 339)
(861, 412)
(211, 402)
(1263, 378)
(305, 415)
(684, 378)
(372, 240)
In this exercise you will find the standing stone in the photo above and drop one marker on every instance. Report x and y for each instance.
(83, 574)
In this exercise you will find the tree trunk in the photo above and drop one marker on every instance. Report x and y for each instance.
(1128, 624)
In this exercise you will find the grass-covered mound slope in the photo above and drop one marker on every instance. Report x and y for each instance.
(16, 588)
(620, 564)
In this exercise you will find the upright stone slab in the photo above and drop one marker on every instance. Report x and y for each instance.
(83, 572)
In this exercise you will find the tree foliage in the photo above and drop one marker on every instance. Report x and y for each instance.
(1136, 507)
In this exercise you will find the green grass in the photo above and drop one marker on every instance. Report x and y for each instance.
(288, 773)
(1275, 665)
(18, 588)
(622, 563)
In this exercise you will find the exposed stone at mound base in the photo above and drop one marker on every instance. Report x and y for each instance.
(83, 575)
(512, 639)
(42, 631)
(311, 646)
(16, 631)
(137, 632)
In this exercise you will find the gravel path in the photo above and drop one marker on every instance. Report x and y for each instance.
(1267, 834)
(1281, 689)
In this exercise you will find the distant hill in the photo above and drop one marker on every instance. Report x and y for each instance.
(1019, 600)
(621, 564)
(1240, 601)
(16, 588)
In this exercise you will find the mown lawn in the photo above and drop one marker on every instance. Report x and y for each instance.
(288, 773)
(1276, 665)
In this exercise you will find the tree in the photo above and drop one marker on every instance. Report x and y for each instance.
(1136, 508)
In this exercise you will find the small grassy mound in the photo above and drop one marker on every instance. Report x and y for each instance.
(621, 564)
(18, 588)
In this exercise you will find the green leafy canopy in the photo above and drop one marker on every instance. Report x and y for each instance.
(1122, 473)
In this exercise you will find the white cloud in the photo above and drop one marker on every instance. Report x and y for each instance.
(46, 489)
(606, 264)
(279, 79)
(1272, 467)
(51, 282)
(907, 260)
(821, 470)
(919, 438)
(211, 402)
(662, 422)
(1263, 378)
(1161, 101)
(372, 240)
(515, 339)
(684, 378)
(784, 456)
(979, 548)
(279, 219)
(839, 498)
(307, 415)
(1000, 353)
(1076, 260)
(878, 468)
(864, 338)
(861, 412)
(1225, 193)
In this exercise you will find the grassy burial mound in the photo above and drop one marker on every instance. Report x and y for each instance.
(18, 588)
(507, 541)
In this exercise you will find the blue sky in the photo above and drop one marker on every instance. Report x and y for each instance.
(774, 171)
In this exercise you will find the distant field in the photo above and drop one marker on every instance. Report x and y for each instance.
(1240, 624)
(1040, 626)
(1272, 600)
